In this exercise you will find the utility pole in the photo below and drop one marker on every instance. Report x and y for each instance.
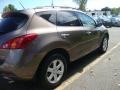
(52, 4)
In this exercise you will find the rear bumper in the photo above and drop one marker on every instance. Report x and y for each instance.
(8, 61)
(20, 64)
(116, 24)
(107, 23)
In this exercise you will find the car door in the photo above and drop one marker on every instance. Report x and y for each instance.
(71, 30)
(91, 32)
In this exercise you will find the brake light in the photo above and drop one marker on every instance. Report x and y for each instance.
(19, 42)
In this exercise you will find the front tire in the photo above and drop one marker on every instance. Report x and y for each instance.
(52, 71)
(104, 45)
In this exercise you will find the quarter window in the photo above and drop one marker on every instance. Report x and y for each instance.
(49, 16)
(67, 18)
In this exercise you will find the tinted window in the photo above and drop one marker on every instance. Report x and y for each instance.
(11, 23)
(49, 16)
(65, 18)
(86, 20)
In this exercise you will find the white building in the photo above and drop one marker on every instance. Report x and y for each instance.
(99, 13)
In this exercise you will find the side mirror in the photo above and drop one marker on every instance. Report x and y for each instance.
(99, 23)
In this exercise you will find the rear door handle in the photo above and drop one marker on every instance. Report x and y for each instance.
(65, 35)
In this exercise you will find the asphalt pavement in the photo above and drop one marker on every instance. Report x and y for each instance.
(102, 75)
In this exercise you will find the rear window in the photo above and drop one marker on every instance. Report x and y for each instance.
(11, 22)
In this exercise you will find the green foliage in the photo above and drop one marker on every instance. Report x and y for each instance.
(9, 8)
(82, 4)
(106, 9)
(115, 11)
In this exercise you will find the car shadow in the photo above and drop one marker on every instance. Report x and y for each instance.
(75, 67)
(79, 65)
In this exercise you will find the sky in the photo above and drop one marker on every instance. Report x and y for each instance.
(91, 4)
(36, 3)
(99, 4)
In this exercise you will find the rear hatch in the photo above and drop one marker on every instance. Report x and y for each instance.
(12, 25)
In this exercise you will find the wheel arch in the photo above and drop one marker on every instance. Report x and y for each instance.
(57, 50)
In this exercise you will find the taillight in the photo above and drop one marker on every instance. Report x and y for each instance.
(19, 42)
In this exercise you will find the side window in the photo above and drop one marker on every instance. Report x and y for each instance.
(67, 18)
(50, 16)
(86, 20)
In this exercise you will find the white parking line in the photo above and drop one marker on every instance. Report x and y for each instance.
(87, 68)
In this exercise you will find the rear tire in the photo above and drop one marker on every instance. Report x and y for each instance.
(52, 71)
(104, 45)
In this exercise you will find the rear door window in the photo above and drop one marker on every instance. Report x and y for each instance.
(12, 22)
(67, 18)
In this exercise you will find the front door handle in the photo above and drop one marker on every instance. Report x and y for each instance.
(65, 35)
(88, 32)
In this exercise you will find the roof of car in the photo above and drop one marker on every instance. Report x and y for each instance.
(46, 8)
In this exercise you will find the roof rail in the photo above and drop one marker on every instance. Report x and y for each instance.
(43, 7)
(66, 7)
(55, 7)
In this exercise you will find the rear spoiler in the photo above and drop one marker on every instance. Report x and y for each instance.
(13, 14)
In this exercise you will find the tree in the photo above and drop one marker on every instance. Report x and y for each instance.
(115, 11)
(9, 8)
(82, 4)
(106, 9)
